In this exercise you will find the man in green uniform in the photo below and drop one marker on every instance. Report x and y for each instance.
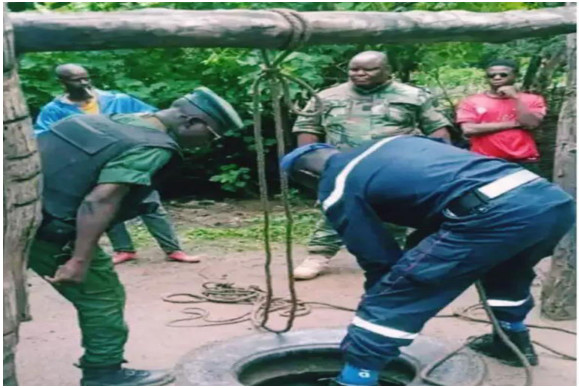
(97, 171)
(370, 106)
(81, 97)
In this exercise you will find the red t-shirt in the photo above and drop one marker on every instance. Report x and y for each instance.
(510, 144)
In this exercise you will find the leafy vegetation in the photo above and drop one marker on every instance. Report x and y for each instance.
(249, 235)
(252, 232)
(157, 76)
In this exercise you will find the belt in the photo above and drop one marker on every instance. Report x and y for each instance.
(55, 230)
(473, 200)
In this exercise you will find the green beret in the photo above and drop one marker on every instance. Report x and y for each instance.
(222, 113)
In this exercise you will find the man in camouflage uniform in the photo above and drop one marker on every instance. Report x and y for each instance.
(369, 107)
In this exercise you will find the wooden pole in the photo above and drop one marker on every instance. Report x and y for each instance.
(22, 186)
(269, 29)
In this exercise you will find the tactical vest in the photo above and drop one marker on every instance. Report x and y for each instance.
(75, 151)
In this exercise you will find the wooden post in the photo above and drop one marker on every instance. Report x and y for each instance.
(21, 201)
(559, 289)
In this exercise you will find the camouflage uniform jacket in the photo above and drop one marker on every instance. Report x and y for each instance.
(352, 116)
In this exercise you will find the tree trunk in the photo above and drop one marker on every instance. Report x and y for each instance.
(22, 187)
(271, 29)
(559, 291)
(544, 76)
(531, 73)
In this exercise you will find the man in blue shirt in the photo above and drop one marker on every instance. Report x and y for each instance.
(482, 218)
(81, 98)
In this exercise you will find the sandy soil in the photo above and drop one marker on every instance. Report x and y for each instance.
(50, 343)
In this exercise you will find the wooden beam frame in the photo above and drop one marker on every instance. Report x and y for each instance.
(158, 27)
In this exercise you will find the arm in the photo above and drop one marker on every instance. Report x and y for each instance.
(441, 133)
(527, 117)
(473, 129)
(365, 236)
(308, 129)
(307, 138)
(94, 215)
(432, 121)
(531, 116)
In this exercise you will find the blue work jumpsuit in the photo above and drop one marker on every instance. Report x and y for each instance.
(412, 181)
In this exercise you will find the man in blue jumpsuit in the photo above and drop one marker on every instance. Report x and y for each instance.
(483, 218)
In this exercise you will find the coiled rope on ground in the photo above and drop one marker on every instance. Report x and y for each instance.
(228, 293)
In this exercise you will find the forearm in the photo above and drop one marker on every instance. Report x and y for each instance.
(472, 129)
(307, 138)
(526, 118)
(366, 237)
(94, 216)
(441, 133)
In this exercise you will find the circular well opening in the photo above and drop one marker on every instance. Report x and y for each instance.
(312, 366)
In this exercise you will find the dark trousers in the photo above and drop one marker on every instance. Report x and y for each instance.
(500, 244)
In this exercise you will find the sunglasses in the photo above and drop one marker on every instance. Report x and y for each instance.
(213, 132)
(502, 75)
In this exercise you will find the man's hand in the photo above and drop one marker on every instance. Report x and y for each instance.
(508, 91)
(73, 271)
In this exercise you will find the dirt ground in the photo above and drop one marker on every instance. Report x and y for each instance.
(50, 343)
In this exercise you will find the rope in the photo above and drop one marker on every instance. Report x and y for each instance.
(497, 327)
(252, 296)
(558, 353)
(300, 30)
(464, 313)
(218, 293)
(279, 88)
(424, 375)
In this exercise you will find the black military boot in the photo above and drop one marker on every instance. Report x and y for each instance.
(491, 345)
(115, 375)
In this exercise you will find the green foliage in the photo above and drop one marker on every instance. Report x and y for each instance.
(232, 178)
(252, 232)
(158, 76)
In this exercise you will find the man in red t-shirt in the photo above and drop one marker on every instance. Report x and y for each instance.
(500, 121)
